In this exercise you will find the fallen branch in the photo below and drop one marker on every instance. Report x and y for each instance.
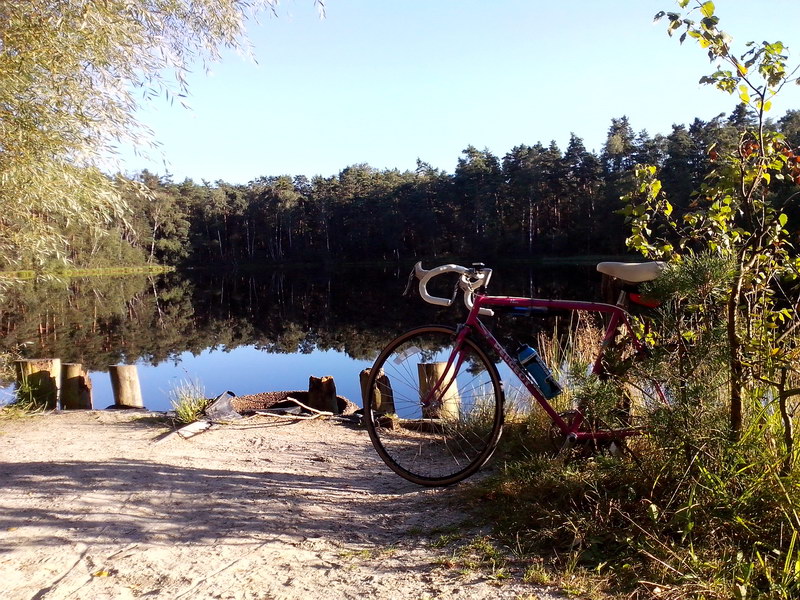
(267, 413)
(322, 413)
(315, 414)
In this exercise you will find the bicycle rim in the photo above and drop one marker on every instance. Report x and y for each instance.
(434, 415)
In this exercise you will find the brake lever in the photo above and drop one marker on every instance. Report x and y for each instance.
(410, 285)
(456, 289)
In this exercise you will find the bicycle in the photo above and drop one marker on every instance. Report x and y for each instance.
(434, 400)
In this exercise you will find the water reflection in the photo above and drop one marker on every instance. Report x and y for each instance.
(244, 332)
(243, 370)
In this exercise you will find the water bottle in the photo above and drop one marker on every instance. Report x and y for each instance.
(533, 363)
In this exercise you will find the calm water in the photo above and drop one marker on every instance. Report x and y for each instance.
(243, 370)
(247, 333)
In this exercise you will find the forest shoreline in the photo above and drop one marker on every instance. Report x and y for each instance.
(326, 265)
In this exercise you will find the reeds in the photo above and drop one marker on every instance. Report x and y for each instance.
(188, 400)
(692, 515)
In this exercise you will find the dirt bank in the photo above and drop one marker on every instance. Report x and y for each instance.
(97, 505)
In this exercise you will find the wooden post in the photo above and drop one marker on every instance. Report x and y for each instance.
(447, 401)
(384, 397)
(322, 394)
(76, 387)
(40, 378)
(125, 384)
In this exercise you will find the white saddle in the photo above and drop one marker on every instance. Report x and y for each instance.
(632, 272)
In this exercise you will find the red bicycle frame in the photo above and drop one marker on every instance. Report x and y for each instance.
(475, 328)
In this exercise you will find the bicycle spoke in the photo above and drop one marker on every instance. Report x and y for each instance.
(447, 407)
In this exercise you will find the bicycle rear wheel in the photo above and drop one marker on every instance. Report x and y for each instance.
(434, 412)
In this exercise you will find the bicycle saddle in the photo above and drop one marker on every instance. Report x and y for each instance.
(632, 272)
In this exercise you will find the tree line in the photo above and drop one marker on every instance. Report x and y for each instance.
(536, 199)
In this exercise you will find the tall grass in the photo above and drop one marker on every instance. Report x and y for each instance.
(188, 400)
(691, 515)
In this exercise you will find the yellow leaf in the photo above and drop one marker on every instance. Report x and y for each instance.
(101, 573)
(744, 96)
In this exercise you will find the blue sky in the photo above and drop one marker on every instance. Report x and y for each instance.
(386, 82)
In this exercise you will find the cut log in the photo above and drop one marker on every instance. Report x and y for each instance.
(38, 379)
(384, 397)
(125, 385)
(76, 387)
(445, 402)
(322, 394)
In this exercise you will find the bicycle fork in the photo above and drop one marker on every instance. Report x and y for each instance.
(439, 382)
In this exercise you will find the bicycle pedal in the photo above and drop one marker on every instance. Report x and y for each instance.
(569, 443)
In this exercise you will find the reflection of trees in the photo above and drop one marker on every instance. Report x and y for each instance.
(104, 321)
(100, 321)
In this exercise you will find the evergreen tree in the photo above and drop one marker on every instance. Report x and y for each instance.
(678, 173)
(789, 126)
(583, 189)
(477, 182)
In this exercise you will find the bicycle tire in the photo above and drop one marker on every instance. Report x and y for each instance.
(442, 441)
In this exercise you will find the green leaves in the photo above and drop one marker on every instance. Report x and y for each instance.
(645, 210)
(68, 75)
(756, 76)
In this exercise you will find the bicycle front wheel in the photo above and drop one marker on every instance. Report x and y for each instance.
(434, 411)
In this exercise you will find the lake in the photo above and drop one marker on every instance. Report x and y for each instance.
(242, 331)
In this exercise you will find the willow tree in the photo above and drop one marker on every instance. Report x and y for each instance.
(71, 75)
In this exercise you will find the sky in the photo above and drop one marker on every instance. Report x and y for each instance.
(387, 82)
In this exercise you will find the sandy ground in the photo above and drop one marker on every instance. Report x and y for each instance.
(99, 504)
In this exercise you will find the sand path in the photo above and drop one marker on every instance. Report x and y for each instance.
(98, 504)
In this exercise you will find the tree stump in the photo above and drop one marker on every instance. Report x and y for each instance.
(446, 402)
(322, 394)
(38, 379)
(125, 385)
(384, 397)
(76, 387)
